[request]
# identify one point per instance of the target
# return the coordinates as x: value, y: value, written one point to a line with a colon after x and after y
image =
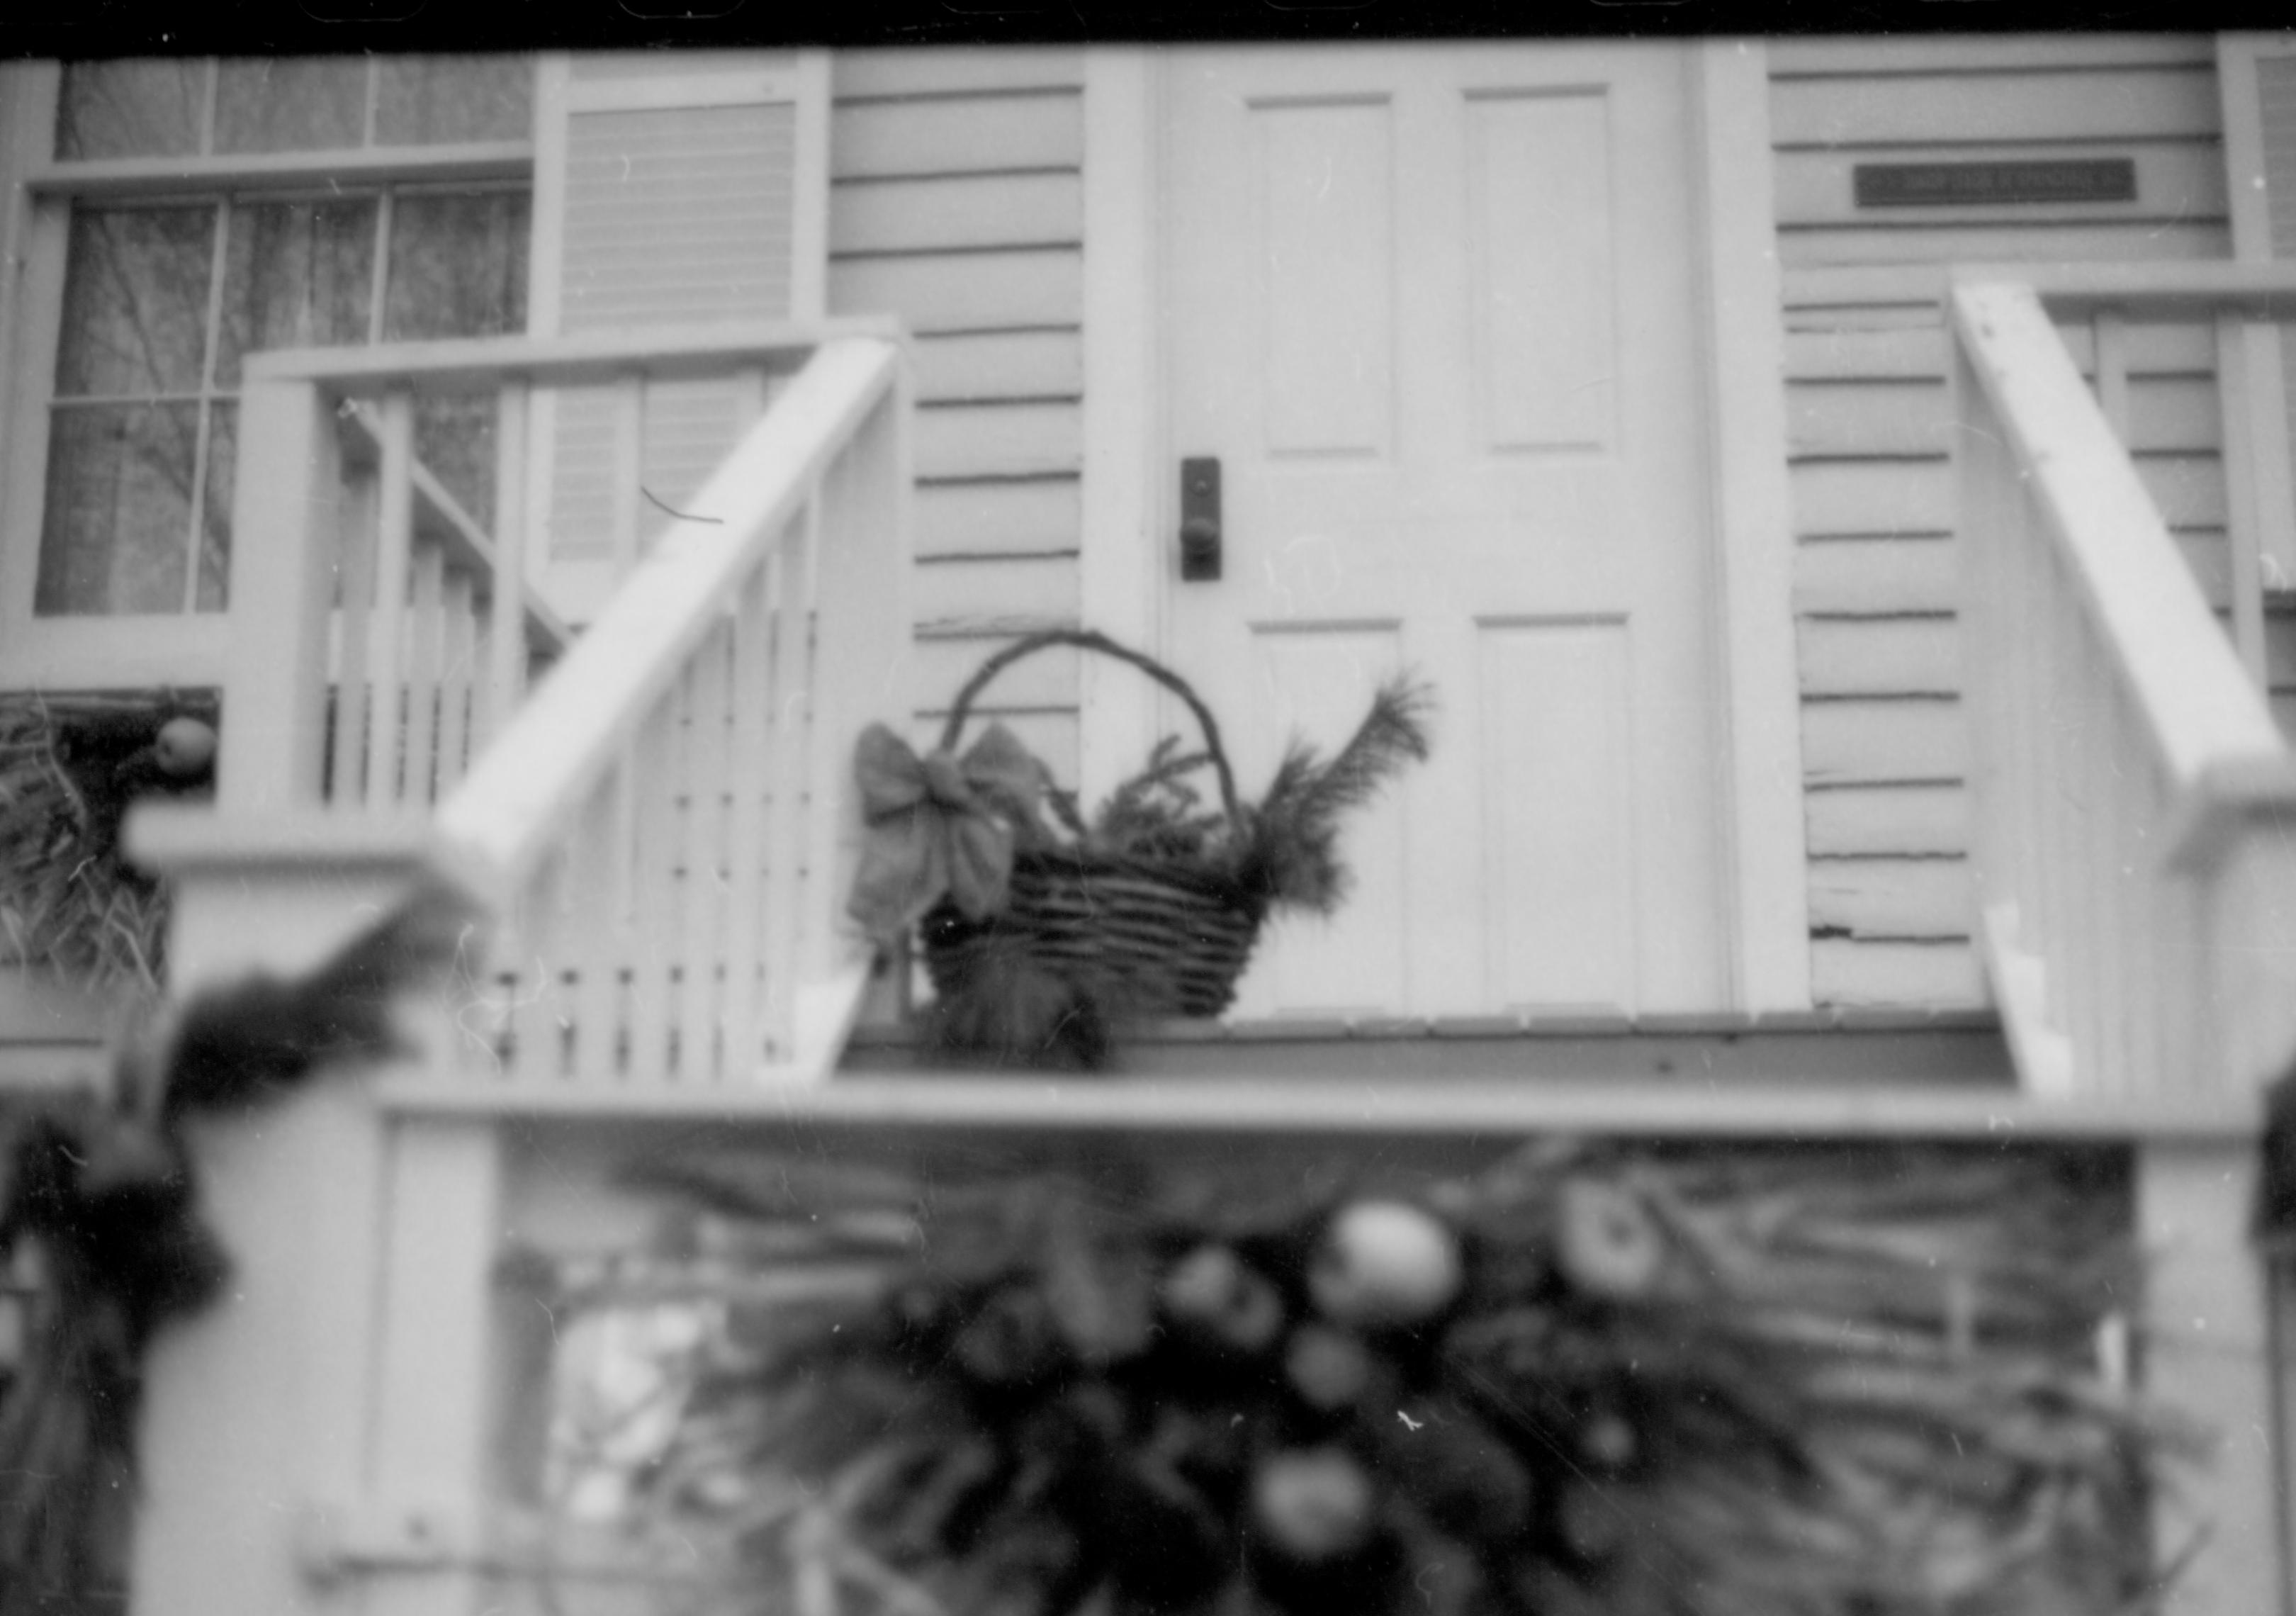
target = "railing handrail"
x: 659, y: 353
x: 2201, y: 714
x: 2141, y: 291
x: 521, y: 799
x: 2155, y: 289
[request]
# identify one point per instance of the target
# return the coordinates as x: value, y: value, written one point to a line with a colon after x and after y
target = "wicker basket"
x: 1144, y: 937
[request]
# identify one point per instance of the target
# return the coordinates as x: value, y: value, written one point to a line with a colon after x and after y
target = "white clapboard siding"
x: 998, y: 367
x: 1852, y: 821
x: 1893, y: 896
x: 2136, y: 100
x: 951, y: 211
x: 990, y: 518
x: 1879, y: 656
x: 956, y: 204
x: 1975, y: 53
x: 991, y: 131
x: 679, y: 201
x: 1045, y: 682
x: 1900, y: 418
x: 1024, y: 287
x: 955, y: 595
x: 1835, y: 498
x: 1920, y: 242
x: 1871, y: 428
x: 1819, y: 348
x: 1034, y: 438
x: 1875, y: 973
x: 1890, y: 575
x: 1879, y: 576
x: 1888, y: 741
x: 878, y: 75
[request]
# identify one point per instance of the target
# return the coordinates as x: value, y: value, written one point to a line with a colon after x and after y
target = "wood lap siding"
x: 1876, y: 579
x: 956, y: 203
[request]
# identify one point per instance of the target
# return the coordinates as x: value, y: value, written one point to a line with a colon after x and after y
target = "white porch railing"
x: 330, y: 1437
x: 2135, y: 802
x: 428, y: 605
x: 667, y: 820
x: 380, y: 634
x: 663, y: 827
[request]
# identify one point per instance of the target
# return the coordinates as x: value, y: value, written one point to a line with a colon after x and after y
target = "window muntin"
x: 165, y: 297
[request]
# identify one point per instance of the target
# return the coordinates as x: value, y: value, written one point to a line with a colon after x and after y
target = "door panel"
x: 1433, y: 310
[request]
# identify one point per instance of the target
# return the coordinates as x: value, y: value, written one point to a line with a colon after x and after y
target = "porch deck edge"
x: 1243, y: 1104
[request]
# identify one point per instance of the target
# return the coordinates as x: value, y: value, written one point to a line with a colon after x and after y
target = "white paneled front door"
x: 1434, y: 311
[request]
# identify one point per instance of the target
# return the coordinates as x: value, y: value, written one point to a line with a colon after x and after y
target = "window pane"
x: 437, y: 100
x: 135, y: 301
x: 292, y: 104
x: 130, y: 109
x: 119, y: 509
x: 457, y: 265
x: 215, y: 523
x: 455, y: 437
x: 297, y: 274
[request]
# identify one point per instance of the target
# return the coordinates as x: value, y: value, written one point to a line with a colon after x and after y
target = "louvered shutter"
x: 672, y: 188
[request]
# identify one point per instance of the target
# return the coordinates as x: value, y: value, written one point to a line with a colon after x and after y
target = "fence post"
x: 287, y: 487
x: 279, y: 1420
x: 862, y: 663
x: 2205, y: 1339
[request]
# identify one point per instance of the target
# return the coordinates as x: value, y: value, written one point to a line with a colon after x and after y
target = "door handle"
x: 1200, y: 520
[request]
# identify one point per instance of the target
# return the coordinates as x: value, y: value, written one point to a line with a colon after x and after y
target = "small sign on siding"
x: 2098, y: 179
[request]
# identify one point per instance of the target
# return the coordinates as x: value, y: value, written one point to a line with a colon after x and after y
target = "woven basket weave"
x: 1145, y: 937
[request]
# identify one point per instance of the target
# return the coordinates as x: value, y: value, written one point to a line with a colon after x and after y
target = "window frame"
x: 144, y: 649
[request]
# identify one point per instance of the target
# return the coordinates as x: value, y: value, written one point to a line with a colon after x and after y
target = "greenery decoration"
x: 1641, y: 1381
x: 100, y: 1205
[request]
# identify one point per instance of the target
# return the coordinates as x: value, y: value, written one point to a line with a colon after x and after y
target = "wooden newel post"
x: 2211, y: 1297
x: 284, y: 519
x: 323, y: 1429
x: 2238, y: 843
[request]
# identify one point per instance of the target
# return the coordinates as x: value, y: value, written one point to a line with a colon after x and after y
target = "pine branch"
x: 1294, y: 854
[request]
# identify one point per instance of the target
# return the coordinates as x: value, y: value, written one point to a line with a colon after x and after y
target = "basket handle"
x: 1088, y: 639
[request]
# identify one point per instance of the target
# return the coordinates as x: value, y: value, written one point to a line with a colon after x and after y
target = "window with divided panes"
x: 166, y: 293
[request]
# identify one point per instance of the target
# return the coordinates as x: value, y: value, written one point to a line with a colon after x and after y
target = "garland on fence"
x: 99, y: 1218
x: 1794, y: 1381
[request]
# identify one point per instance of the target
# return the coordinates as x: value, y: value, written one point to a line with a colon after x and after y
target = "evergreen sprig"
x: 1286, y: 849
x: 1291, y: 854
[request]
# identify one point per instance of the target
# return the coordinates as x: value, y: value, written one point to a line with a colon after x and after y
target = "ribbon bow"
x: 940, y: 825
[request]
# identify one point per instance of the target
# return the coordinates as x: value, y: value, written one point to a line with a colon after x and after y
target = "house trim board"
x: 2247, y: 199
x: 1766, y: 857
x: 28, y: 113
x: 2262, y: 377
x: 1119, y: 580
x: 1119, y: 586
x: 810, y: 203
